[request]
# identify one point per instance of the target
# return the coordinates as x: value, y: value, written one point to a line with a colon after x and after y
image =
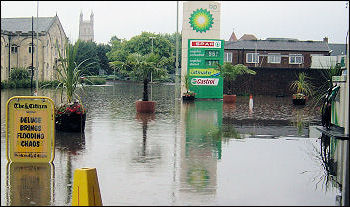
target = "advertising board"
x: 204, y: 78
x: 30, y: 129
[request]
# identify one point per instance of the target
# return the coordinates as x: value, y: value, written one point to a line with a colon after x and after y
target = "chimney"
x: 325, y: 39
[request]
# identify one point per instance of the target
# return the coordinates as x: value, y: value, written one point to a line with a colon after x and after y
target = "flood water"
x: 200, y: 153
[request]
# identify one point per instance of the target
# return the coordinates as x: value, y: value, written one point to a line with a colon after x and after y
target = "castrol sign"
x: 205, y: 81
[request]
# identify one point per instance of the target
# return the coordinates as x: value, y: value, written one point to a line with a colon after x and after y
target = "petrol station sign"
x: 205, y: 79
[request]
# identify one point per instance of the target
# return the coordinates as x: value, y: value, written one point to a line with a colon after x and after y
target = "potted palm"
x: 302, y: 87
x: 142, y: 67
x: 69, y: 115
x: 188, y: 95
x: 229, y: 73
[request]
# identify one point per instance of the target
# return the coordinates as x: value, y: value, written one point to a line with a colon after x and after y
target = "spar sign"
x: 205, y: 78
x: 205, y: 44
x: 30, y: 129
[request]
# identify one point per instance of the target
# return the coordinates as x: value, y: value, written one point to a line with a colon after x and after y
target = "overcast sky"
x: 303, y: 20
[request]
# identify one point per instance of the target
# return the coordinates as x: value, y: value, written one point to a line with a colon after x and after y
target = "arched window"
x: 14, y: 48
x: 31, y: 48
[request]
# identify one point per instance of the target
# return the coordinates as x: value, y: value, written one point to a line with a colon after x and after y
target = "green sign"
x: 205, y: 79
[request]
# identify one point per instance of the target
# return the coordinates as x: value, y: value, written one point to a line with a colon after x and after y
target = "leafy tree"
x: 102, y: 50
x: 141, y: 44
x: 172, y: 38
x: 87, y: 52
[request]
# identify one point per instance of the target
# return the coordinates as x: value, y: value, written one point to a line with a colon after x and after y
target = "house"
x: 274, y: 52
x: 277, y: 62
x: 248, y: 37
x: 17, y: 48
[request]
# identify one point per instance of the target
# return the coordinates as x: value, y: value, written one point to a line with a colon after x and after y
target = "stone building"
x: 16, y: 45
x: 86, y: 28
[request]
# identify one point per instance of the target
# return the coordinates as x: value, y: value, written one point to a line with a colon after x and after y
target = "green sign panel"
x: 205, y: 79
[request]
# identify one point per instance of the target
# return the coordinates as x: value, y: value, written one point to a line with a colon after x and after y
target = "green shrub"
x: 49, y: 84
x: 94, y: 81
x: 12, y: 84
x: 4, y: 84
x: 19, y: 74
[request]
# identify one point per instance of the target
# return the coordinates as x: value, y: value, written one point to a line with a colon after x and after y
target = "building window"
x: 14, y: 48
x: 252, y: 58
x: 227, y: 57
x: 31, y: 49
x: 274, y: 58
x: 296, y: 59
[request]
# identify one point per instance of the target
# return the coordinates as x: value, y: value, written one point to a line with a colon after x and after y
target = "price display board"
x: 204, y: 78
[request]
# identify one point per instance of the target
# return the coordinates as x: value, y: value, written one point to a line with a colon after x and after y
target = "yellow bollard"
x: 86, y: 191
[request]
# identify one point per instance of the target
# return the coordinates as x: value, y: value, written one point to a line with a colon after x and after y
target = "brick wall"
x: 273, y: 81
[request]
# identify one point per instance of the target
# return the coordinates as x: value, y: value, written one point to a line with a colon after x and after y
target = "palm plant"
x: 145, y: 65
x: 321, y: 92
x: 187, y: 86
x: 69, y: 71
x: 302, y: 86
x: 230, y: 72
x: 70, y: 116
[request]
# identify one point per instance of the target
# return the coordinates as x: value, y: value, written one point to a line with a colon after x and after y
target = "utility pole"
x: 9, y: 69
x: 31, y: 78
x: 37, y: 50
x: 177, y: 45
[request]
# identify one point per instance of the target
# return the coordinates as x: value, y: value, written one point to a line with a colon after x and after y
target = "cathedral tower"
x: 86, y: 28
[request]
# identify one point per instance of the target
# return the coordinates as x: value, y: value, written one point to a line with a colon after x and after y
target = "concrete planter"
x: 145, y: 106
x: 229, y: 98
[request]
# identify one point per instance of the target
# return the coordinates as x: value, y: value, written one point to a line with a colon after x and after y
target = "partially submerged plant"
x: 187, y: 86
x: 302, y: 86
x: 69, y: 71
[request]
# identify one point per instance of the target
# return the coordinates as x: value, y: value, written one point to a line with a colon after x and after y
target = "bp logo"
x: 201, y: 20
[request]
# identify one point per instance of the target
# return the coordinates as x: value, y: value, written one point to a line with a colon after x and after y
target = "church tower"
x: 86, y: 28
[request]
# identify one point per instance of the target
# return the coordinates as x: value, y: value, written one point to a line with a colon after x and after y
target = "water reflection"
x: 298, y: 120
x: 330, y: 153
x: 69, y: 144
x: 200, y: 148
x: 332, y: 157
x: 30, y: 184
x: 145, y: 155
